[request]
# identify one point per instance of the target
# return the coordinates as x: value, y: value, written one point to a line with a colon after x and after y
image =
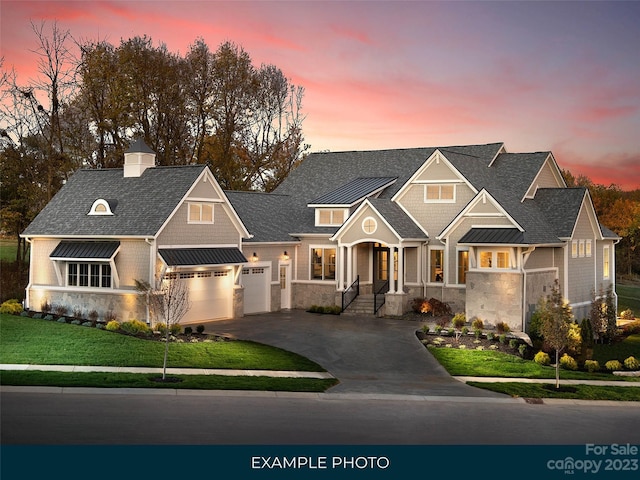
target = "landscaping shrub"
x: 613, y: 365
x: 591, y: 366
x: 60, y: 310
x: 459, y: 320
x: 465, y: 330
x: 502, y: 327
x: 113, y: 326
x: 188, y: 330
x: 627, y: 314
x: 45, y: 306
x: 438, y: 329
x: 175, y: 329
x: 420, y: 305
x: 425, y: 329
x: 25, y: 314
x: 631, y: 328
x: 522, y: 349
x: 92, y: 315
x: 99, y: 326
x: 73, y: 322
x: 37, y: 315
x: 568, y: 362
x: 90, y: 324
x: 478, y: 333
x: 60, y: 320
x: 132, y: 327
x: 451, y: 332
x: 513, y: 343
x: 50, y: 317
x: 491, y: 336
x: 631, y: 363
x: 542, y: 358
x: 502, y: 338
x: 477, y: 324
x: 12, y: 307
x: 200, y: 328
x: 110, y: 315
x: 77, y: 312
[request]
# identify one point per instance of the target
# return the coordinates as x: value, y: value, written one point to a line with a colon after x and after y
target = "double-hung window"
x: 436, y: 266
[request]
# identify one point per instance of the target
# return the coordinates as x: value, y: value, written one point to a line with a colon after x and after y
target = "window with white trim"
x: 323, y: 263
x: 436, y: 265
x: 495, y: 259
x: 100, y: 207
x: 97, y: 275
x: 606, y: 262
x: 463, y: 266
x: 329, y: 217
x: 581, y: 248
x: 574, y: 249
x: 200, y: 212
x: 588, y: 248
x: 369, y: 225
x: 442, y: 193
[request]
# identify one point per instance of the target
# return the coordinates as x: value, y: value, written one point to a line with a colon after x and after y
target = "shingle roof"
x: 177, y: 257
x: 143, y: 203
x: 353, y: 191
x: 85, y: 250
x: 268, y: 217
x: 397, y: 218
x: 508, y: 236
x: 560, y: 207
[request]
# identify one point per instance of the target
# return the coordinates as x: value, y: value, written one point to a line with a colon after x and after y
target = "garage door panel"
x: 210, y: 294
x: 257, y: 289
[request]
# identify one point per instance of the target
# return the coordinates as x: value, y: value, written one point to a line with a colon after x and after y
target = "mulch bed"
x: 468, y: 342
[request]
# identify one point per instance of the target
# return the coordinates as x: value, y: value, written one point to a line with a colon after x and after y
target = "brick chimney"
x: 138, y: 158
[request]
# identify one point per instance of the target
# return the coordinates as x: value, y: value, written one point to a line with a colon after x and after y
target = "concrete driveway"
x: 368, y: 355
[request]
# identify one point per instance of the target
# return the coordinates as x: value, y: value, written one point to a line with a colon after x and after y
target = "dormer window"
x: 330, y: 217
x: 100, y: 207
x: 200, y: 212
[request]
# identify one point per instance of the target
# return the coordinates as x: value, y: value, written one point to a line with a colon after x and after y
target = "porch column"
x: 400, y: 269
x: 349, y: 265
x: 391, y: 264
x: 340, y: 268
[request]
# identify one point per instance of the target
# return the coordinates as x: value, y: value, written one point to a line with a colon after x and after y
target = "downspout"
x: 424, y: 272
x: 27, y: 301
x: 525, y: 256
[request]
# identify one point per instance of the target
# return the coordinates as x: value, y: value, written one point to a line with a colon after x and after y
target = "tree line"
x: 618, y: 210
x: 203, y: 107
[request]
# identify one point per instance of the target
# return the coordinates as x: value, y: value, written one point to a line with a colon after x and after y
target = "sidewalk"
x: 282, y: 374
x: 170, y: 371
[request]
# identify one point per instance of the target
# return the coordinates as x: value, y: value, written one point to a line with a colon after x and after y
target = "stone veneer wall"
x: 495, y: 297
x: 307, y: 294
x: 126, y: 306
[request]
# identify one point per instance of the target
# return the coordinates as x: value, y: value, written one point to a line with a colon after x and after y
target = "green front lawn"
x: 628, y: 297
x: 583, y: 392
x: 33, y: 341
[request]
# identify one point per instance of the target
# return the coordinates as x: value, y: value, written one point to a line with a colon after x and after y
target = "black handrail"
x: 381, y: 291
x: 350, y: 294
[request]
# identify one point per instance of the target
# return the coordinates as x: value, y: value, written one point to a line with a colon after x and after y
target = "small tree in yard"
x: 556, y: 318
x: 168, y: 303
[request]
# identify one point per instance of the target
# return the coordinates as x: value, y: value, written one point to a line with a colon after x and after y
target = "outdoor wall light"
x: 286, y: 255
x: 254, y: 257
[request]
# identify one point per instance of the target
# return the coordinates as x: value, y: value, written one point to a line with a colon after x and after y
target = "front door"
x: 380, y: 266
x: 285, y: 285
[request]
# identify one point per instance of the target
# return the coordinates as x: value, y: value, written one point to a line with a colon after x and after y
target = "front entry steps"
x: 362, y: 305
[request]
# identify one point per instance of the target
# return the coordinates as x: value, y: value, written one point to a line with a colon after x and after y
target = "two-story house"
x: 475, y: 226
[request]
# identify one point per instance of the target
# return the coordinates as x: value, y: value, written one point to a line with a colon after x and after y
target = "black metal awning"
x: 85, y: 250
x: 503, y: 236
x: 183, y: 257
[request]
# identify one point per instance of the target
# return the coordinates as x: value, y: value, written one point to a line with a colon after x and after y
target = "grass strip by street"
x: 193, y: 382
x: 36, y: 341
x: 582, y: 392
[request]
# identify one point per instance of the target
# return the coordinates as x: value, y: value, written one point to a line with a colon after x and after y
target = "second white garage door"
x: 210, y: 293
x: 257, y: 289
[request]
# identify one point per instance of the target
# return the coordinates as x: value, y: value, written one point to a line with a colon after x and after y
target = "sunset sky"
x: 538, y: 76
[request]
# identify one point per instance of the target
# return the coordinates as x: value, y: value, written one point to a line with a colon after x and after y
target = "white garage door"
x: 257, y: 291
x: 210, y: 293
